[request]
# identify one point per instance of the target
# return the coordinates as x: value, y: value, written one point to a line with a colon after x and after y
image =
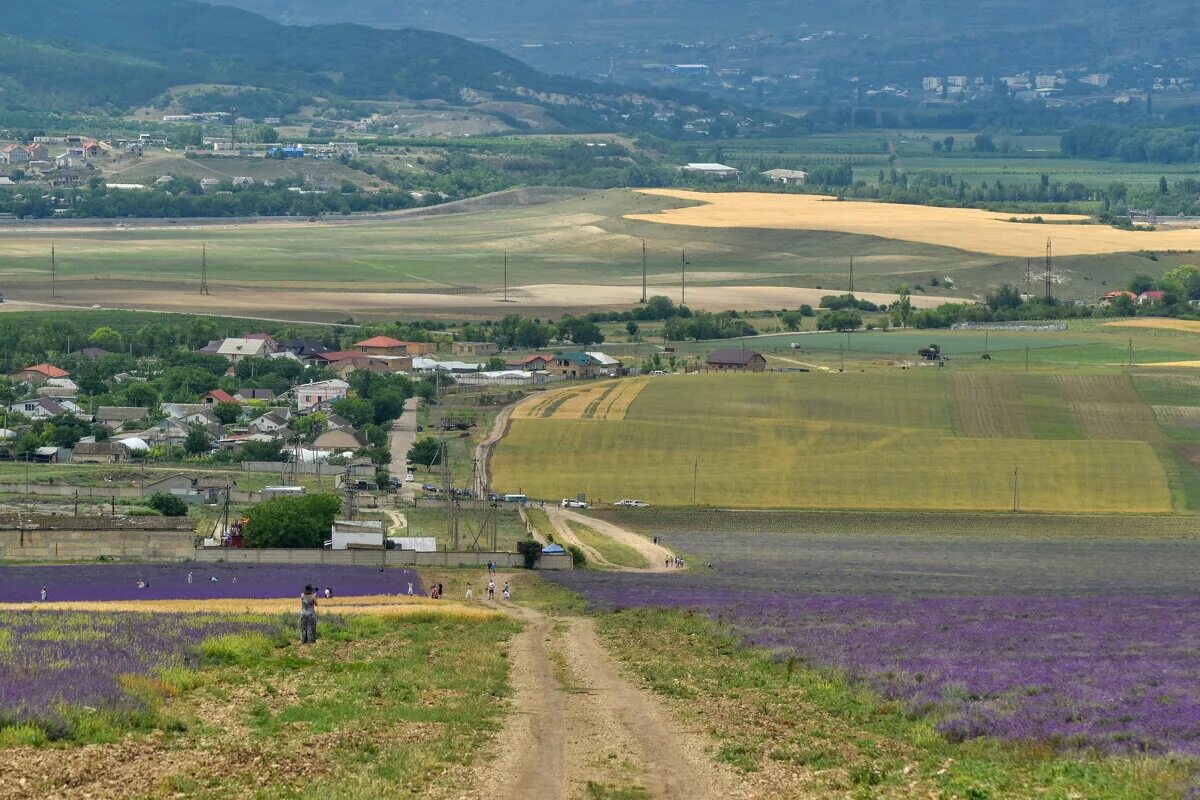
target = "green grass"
x: 614, y: 552
x: 432, y: 522
x: 774, y: 717
x: 879, y: 439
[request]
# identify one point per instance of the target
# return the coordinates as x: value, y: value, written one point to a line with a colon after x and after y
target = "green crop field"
x: 876, y: 439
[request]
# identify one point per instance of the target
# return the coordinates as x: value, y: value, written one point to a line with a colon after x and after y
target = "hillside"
x: 132, y: 51
x: 891, y: 37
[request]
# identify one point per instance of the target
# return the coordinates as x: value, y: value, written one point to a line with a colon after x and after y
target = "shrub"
x: 168, y: 505
x: 578, y: 559
x: 531, y: 550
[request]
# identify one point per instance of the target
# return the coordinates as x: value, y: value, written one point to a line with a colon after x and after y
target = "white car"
x: 566, y: 503
x: 630, y: 504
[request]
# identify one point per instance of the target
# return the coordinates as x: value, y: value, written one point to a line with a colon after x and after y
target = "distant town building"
x: 712, y: 170
x: 790, y: 177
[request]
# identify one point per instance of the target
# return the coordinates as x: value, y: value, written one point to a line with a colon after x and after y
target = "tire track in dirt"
x: 598, y: 728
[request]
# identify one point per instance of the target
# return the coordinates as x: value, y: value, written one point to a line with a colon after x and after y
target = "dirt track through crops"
x: 579, y: 723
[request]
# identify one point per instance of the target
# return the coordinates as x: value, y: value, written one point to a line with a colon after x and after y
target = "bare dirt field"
x: 967, y: 229
x: 325, y: 304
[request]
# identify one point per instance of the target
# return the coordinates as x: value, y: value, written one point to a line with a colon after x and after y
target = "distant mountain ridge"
x: 130, y: 51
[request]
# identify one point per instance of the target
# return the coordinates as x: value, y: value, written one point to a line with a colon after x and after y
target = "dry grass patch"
x: 373, y: 605
x: 1162, y: 324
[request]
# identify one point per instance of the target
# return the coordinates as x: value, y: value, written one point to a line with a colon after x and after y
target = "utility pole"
x: 1049, y: 268
x: 644, y: 298
x: 695, y: 480
x: 1131, y: 351
x: 1027, y: 358
x: 204, y: 269
x: 505, y: 276
x: 985, y: 343
x: 53, y: 272
x: 1016, y: 490
x: 852, y: 274
x: 683, y: 278
x: 842, y: 358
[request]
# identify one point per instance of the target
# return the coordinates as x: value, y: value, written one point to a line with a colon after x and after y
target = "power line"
x: 851, y: 273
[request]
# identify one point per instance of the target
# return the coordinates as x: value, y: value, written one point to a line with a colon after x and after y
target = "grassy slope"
x: 876, y: 439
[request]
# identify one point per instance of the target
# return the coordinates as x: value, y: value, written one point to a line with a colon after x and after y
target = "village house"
x: 58, y: 387
x: 574, y: 365
x: 607, y: 364
x: 93, y: 353
x: 202, y: 489
x: 14, y: 155
x: 736, y: 359
x: 532, y: 363
x: 39, y: 373
x: 218, y: 396
x: 274, y: 420
x: 236, y: 349
x: 116, y: 416
x: 1152, y: 296
x: 383, y: 346
x: 338, y: 441
x: 475, y: 348
x: 264, y: 395
x: 305, y: 348
x: 310, y: 395
x: 100, y: 453
x: 37, y: 152
x: 44, y: 407
x: 270, y: 346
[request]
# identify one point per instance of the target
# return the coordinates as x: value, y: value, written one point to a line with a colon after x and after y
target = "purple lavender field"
x: 58, y: 665
x: 1077, y: 671
x: 169, y: 581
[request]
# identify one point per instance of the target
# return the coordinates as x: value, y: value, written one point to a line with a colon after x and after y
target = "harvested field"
x: 608, y: 400
x: 989, y: 405
x: 972, y: 230
x: 1178, y: 416
x: 1108, y: 407
x: 1185, y: 325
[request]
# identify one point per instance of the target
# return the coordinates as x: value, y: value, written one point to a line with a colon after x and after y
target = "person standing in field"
x: 410, y: 588
x: 491, y: 590
x: 507, y: 592
x: 189, y: 577
x: 470, y: 593
x: 44, y: 594
x: 308, y: 616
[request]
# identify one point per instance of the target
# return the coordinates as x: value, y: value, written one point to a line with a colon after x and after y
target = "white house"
x: 236, y: 349
x: 309, y: 395
x: 44, y: 407
x: 788, y: 177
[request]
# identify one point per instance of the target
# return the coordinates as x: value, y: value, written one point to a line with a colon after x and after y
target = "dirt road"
x: 584, y: 723
x: 483, y: 450
x: 401, y: 438
x: 655, y: 554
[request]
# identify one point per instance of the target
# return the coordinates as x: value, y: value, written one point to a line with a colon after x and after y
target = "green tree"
x: 264, y: 134
x: 1141, y: 283
x: 357, y: 410
x: 168, y: 505
x: 227, y: 413
x: 632, y: 328
x: 197, y: 441
x: 843, y: 320
x: 791, y: 320
x: 292, y: 521
x: 106, y: 338
x: 426, y: 451
x: 140, y: 394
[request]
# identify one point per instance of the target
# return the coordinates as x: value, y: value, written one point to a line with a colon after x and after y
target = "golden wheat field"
x: 969, y: 229
x: 383, y: 605
x: 1158, y: 323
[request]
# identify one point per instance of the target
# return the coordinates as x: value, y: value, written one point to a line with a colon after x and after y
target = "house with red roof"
x: 533, y: 363
x: 1152, y: 296
x: 13, y: 155
x: 218, y: 396
x: 1108, y: 297
x: 387, y: 346
x: 39, y: 373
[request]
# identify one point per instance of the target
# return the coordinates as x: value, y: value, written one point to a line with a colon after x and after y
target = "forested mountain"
x: 116, y: 54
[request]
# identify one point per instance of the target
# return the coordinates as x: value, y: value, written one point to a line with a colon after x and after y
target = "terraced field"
x: 878, y: 439
x: 608, y: 400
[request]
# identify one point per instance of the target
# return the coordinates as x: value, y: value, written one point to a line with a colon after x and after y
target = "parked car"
x: 631, y: 504
x: 429, y: 487
x: 567, y: 503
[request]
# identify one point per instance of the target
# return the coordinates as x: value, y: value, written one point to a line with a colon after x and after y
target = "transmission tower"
x: 481, y: 524
x: 204, y: 269
x: 643, y: 270
x: 1049, y: 270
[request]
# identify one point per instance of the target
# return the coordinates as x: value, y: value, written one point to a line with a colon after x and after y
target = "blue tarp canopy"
x: 553, y: 548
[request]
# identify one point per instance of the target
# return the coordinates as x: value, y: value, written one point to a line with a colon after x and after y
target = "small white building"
x: 788, y: 177
x: 347, y: 534
x: 711, y: 169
